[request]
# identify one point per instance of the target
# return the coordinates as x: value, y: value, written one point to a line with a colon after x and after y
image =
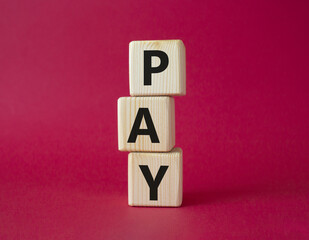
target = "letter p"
x: 148, y: 69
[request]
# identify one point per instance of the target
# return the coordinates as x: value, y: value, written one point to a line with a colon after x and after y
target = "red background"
x: 243, y: 125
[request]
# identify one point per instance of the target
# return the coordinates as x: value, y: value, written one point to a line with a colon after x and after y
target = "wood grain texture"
x: 172, y: 81
x: 162, y: 111
x: 170, y: 188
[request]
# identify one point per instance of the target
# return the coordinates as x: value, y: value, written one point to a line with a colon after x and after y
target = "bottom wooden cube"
x: 155, y: 179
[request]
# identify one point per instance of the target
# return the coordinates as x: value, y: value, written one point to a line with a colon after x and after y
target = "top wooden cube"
x: 157, y: 68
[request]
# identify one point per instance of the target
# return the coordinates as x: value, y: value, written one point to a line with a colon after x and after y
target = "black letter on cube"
x: 153, y: 184
x: 151, y: 131
x: 148, y: 70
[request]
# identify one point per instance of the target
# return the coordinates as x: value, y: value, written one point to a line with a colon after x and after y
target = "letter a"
x: 151, y: 131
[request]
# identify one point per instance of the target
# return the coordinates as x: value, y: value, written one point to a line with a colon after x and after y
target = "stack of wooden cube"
x: 146, y: 122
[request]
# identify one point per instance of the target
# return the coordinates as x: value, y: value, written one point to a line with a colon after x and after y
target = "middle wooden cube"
x: 146, y: 124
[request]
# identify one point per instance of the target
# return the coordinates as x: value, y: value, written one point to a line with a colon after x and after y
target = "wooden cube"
x: 157, y: 68
x: 155, y: 179
x: 146, y: 124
